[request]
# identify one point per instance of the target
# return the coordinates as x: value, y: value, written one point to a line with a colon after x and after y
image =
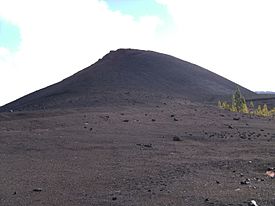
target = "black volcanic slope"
x: 130, y: 76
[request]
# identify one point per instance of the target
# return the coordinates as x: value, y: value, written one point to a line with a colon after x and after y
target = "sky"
x: 45, y: 41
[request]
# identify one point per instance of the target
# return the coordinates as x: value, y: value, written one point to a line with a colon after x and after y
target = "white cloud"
x: 4, y: 54
x: 233, y: 38
x: 61, y: 37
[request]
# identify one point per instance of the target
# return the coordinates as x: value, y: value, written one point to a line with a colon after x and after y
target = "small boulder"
x: 147, y: 145
x: 37, y: 190
x: 176, y: 139
x: 245, y: 182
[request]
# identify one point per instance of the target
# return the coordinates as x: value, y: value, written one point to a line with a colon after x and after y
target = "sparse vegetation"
x: 238, y: 102
x: 239, y: 105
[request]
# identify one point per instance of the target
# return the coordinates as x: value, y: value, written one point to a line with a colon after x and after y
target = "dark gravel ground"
x: 188, y: 155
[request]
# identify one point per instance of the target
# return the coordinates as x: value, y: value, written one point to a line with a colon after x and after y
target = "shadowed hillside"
x: 129, y: 76
x: 261, y: 99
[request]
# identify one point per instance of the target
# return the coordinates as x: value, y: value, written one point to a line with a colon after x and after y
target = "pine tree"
x: 259, y: 110
x: 251, y: 105
x: 244, y: 106
x: 239, y: 105
x: 226, y: 106
x: 234, y: 104
x: 265, y: 110
x: 220, y: 104
x: 272, y: 111
x: 245, y: 109
x: 238, y: 102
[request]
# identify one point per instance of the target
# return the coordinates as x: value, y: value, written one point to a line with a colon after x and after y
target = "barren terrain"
x: 131, y: 76
x: 171, y: 153
x: 127, y: 131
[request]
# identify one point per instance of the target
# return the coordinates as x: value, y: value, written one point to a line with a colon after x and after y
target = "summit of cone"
x: 130, y: 76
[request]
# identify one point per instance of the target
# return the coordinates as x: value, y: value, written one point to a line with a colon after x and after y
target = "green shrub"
x: 239, y: 105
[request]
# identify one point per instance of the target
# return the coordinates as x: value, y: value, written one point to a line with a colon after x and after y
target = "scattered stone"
x: 175, y: 119
x: 218, y: 182
x: 172, y: 115
x: 126, y: 120
x: 147, y: 145
x: 258, y: 179
x: 91, y: 129
x: 236, y: 118
x: 270, y: 172
x: 206, y: 200
x: 114, y: 198
x: 105, y: 117
x: 37, y: 190
x: 253, y: 203
x: 230, y: 127
x: 242, y: 137
x: 176, y: 139
x: 14, y: 193
x: 153, y: 120
x: 245, y: 182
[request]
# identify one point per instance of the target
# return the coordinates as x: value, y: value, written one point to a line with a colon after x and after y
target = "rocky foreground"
x: 172, y: 153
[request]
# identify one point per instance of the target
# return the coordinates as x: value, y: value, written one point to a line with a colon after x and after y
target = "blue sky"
x: 138, y: 8
x: 9, y: 35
